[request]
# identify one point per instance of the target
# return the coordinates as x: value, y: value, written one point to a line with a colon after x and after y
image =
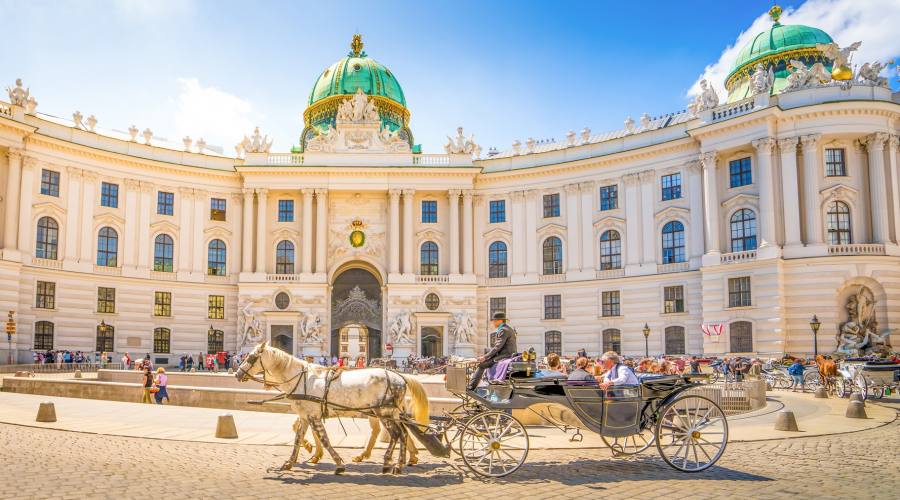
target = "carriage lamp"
x: 815, y: 324
x: 646, y: 331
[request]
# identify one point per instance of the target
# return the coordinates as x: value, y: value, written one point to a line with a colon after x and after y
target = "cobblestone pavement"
x: 59, y: 464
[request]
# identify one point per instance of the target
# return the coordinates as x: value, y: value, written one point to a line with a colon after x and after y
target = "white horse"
x: 376, y: 390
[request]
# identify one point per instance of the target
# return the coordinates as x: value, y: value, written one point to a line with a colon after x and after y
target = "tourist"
x: 190, y: 362
x: 126, y: 361
x: 695, y: 365
x: 616, y: 372
x: 796, y: 372
x: 679, y: 365
x: 146, y: 385
x: 554, y: 367
x: 582, y: 353
x: 580, y: 373
x: 59, y: 360
x: 162, y: 380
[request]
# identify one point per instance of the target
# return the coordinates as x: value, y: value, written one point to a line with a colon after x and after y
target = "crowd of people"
x: 65, y: 358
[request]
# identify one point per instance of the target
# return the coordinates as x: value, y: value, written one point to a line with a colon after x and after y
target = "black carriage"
x: 689, y: 431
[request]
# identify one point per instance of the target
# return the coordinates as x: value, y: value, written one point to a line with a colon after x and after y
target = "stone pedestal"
x: 402, y: 352
x: 464, y: 350
x: 315, y: 349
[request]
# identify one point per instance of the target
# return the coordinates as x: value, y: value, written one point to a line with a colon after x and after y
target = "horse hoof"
x: 287, y: 466
x: 386, y: 469
x: 314, y: 460
x: 339, y: 471
x: 413, y: 461
x: 357, y: 459
x: 395, y: 470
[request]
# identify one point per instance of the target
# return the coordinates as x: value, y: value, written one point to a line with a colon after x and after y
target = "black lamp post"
x: 815, y: 324
x: 646, y: 331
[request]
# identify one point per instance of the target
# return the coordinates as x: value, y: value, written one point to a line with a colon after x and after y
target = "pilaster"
x: 768, y: 246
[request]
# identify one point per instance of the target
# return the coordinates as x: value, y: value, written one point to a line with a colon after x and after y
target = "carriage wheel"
x: 878, y: 392
x: 812, y: 380
x: 691, y: 434
x: 841, y: 388
x: 630, y: 445
x: 493, y: 444
x: 862, y: 386
x: 782, y: 383
x: 459, y: 415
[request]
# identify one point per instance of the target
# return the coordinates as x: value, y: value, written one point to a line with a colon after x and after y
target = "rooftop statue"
x: 761, y: 81
x: 324, y: 141
x: 18, y: 95
x: 358, y: 108
x: 461, y: 145
x: 706, y: 99
x: 840, y: 58
x: 859, y: 335
x: 869, y: 72
x: 802, y: 76
x: 257, y: 143
x: 78, y: 119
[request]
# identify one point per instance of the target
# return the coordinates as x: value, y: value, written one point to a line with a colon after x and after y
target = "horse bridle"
x: 252, y: 359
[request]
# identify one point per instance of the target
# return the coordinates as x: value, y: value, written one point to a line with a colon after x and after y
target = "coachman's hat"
x: 500, y: 316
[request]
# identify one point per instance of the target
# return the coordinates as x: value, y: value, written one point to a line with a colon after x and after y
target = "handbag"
x: 154, y: 389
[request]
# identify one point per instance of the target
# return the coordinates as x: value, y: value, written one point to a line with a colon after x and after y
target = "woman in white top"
x: 162, y: 380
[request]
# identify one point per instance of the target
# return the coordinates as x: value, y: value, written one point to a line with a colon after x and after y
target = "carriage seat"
x: 522, y: 369
x: 646, y: 377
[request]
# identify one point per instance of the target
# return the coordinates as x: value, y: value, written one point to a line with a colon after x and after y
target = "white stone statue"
x: 585, y: 135
x: 570, y: 138
x: 18, y: 95
x: 517, y: 147
x: 645, y: 120
x: 839, y: 56
x: 859, y: 335
x: 187, y: 142
x: 869, y: 72
x: 77, y: 117
x: 91, y: 123
x: 31, y: 105
x: 249, y: 328
x: 311, y: 328
x: 761, y: 81
x: 147, y: 134
x: 324, y: 141
x: 400, y: 328
x: 256, y: 143
x: 629, y: 124
x: 706, y: 99
x: 357, y: 109
x: 201, y: 145
x: 133, y: 132
x: 463, y: 327
x: 460, y: 145
x: 803, y: 77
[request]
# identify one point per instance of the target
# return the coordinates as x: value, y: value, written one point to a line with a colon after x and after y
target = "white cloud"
x: 874, y: 22
x: 217, y: 116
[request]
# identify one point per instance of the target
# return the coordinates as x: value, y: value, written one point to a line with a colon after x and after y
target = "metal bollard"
x: 225, y: 428
x: 77, y: 373
x: 821, y: 393
x: 46, y: 412
x: 786, y: 421
x: 856, y: 409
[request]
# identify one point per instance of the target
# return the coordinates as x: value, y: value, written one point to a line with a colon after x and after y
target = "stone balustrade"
x: 734, y: 109
x: 551, y: 278
x: 108, y: 270
x: 282, y: 277
x: 432, y: 278
x: 857, y: 249
x: 734, y: 257
x: 605, y: 274
x: 47, y: 263
x: 675, y: 267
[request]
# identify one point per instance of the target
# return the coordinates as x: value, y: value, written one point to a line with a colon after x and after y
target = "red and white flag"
x: 713, y: 329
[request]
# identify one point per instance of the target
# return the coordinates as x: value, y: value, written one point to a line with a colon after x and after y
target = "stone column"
x: 878, y: 187
x: 695, y: 192
x: 11, y: 217
x: 531, y: 251
x: 73, y: 213
x: 394, y: 231
x: 812, y: 170
x: 453, y: 237
x: 27, y: 229
x: 306, y: 236
x: 132, y: 221
x: 573, y: 242
x: 235, y: 255
x: 648, y: 200
x: 321, y: 230
x: 147, y: 189
x: 88, y: 202
x: 518, y: 233
x: 768, y: 245
x: 480, y: 219
x: 467, y: 233
x: 633, y: 231
x: 893, y: 142
x: 247, y: 232
x: 708, y: 162
x: 789, y: 191
x: 262, y: 248
x: 201, y: 215
x: 185, y: 229
x: 408, y: 195
x: 586, y: 221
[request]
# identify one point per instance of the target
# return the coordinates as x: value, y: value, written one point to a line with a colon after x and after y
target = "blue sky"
x: 503, y: 70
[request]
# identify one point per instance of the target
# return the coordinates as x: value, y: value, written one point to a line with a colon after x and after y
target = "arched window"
x: 675, y: 340
x: 107, y: 247
x: 673, y: 242
x: 43, y: 336
x: 162, y: 340
x: 553, y: 256
x: 47, y: 238
x: 741, y: 336
x: 497, y: 260
x: 215, y: 258
x: 215, y: 341
x: 610, y: 250
x: 284, y: 257
x: 612, y: 340
x: 743, y: 230
x: 428, y: 258
x: 105, y: 336
x: 552, y: 342
x: 163, y: 252
x: 838, y: 224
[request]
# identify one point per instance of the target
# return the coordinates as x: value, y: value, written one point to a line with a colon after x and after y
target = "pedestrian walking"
x: 146, y: 385
x: 162, y: 381
x: 796, y: 372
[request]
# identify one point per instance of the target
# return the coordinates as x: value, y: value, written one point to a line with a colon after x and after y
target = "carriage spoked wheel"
x: 630, y: 445
x: 692, y: 433
x: 841, y: 388
x: 493, y: 444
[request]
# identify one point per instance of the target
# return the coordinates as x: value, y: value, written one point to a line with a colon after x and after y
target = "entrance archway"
x: 283, y: 338
x: 432, y: 342
x: 356, y: 314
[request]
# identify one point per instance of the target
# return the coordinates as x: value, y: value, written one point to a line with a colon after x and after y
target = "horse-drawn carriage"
x: 864, y: 375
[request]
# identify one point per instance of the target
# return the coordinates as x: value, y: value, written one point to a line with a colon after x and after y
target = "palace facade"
x: 723, y: 228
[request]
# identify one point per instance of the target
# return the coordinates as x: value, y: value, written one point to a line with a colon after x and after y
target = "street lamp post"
x: 646, y: 332
x: 815, y: 324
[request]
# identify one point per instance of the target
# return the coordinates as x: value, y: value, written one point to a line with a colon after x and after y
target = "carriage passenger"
x: 580, y: 373
x: 616, y: 372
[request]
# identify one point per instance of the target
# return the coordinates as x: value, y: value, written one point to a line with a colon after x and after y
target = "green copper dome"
x: 357, y: 71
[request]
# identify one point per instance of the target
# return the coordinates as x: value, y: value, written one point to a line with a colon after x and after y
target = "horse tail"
x: 418, y: 399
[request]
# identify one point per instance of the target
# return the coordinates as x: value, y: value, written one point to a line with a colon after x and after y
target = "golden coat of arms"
x: 357, y: 236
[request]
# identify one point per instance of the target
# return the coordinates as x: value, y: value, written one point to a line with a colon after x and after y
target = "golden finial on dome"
x: 775, y: 13
x: 356, y: 46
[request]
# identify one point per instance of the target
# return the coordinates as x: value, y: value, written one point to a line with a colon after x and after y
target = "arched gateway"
x: 356, y: 314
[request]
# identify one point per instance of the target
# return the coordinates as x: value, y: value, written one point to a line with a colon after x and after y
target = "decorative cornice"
x: 741, y: 198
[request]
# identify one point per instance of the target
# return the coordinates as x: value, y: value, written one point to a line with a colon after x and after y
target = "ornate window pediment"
x: 838, y: 192
x: 49, y: 208
x: 672, y: 212
x: 609, y: 221
x: 552, y: 228
x: 742, y: 199
x: 109, y: 219
x: 497, y: 232
x: 429, y: 234
x: 279, y: 234
x: 164, y: 226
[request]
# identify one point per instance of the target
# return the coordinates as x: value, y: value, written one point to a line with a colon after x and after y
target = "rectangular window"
x: 609, y: 197
x: 45, y: 295
x: 671, y: 187
x: 498, y: 304
x: 673, y: 299
x: 552, y: 306
x: 429, y: 211
x: 740, y: 172
x: 162, y: 303
x: 835, y: 166
x: 739, y: 292
x: 109, y: 195
x: 551, y: 205
x: 165, y: 203
x: 106, y: 300
x: 217, y: 209
x: 498, y: 211
x: 285, y: 210
x: 610, y: 303
x: 216, y: 307
x: 49, y: 182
